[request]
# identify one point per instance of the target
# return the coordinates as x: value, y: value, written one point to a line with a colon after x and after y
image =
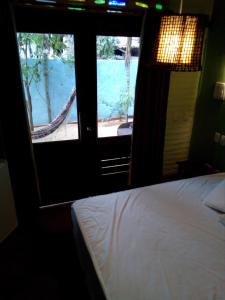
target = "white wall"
x: 8, y: 221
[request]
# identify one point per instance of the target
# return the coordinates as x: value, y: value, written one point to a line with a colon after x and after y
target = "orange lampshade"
x: 178, y: 46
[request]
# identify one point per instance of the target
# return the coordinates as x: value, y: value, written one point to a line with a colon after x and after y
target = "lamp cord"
x: 181, y: 7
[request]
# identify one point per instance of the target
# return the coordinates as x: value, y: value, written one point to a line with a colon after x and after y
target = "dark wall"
x: 14, y: 123
x: 2, y: 152
x: 210, y: 113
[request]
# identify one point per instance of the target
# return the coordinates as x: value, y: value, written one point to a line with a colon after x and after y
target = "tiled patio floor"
x: 70, y: 131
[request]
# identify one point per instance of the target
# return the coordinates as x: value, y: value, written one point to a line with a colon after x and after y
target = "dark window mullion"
x: 86, y: 82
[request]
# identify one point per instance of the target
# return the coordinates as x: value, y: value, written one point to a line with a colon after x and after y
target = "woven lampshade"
x: 178, y: 46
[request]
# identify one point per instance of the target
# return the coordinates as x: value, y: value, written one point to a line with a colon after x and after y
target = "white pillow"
x: 216, y: 198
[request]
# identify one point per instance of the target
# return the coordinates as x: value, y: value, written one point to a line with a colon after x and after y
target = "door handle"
x: 89, y: 128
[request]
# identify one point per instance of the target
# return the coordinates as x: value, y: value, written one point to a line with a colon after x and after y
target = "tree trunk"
x: 127, y: 66
x: 29, y: 106
x: 27, y: 86
x: 46, y: 77
x: 46, y: 85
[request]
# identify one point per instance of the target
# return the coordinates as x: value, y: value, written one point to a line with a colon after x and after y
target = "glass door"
x: 117, y: 62
x: 79, y: 83
x: 56, y: 113
x: 48, y: 75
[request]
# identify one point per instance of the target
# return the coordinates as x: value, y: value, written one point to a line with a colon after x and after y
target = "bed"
x: 154, y: 242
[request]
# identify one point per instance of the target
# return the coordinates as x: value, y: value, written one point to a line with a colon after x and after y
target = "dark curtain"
x: 15, y: 129
x: 149, y: 112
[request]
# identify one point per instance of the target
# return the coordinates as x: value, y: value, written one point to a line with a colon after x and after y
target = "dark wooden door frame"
x: 85, y: 27
x: 17, y: 144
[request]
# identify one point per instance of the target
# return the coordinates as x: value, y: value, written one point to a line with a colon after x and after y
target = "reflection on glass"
x: 47, y: 65
x: 117, y: 61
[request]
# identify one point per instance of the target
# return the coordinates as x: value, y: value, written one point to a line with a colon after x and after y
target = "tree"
x: 127, y: 67
x: 30, y: 72
x: 106, y: 46
x: 35, y: 50
x: 125, y: 101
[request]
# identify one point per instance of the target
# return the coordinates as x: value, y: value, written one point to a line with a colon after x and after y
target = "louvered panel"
x: 171, y: 168
x: 179, y: 139
x: 185, y: 97
x: 176, y: 149
x: 114, y: 163
x: 177, y: 155
x: 174, y: 154
x: 175, y: 137
x: 179, y: 131
x: 179, y: 107
x: 180, y: 116
x: 115, y: 166
x: 105, y: 163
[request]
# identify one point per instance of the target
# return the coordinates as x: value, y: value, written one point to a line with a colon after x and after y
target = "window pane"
x: 117, y: 61
x: 47, y: 64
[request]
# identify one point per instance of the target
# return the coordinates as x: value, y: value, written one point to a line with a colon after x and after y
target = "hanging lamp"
x: 178, y: 46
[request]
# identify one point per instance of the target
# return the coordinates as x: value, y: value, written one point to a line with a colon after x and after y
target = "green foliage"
x: 57, y: 44
x: 25, y: 41
x: 35, y: 50
x: 121, y: 107
x: 38, y: 47
x: 106, y: 46
x: 105, y: 49
x: 125, y: 103
x: 31, y: 72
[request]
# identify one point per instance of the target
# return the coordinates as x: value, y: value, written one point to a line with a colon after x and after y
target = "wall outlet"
x: 222, y: 140
x: 217, y: 137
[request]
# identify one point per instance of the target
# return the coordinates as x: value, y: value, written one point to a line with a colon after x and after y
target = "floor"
x: 70, y: 131
x: 41, y: 264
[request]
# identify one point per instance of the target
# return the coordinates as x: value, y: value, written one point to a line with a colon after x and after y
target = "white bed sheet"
x: 156, y: 242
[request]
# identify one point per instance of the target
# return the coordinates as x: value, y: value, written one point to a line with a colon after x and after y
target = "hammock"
x: 57, y: 121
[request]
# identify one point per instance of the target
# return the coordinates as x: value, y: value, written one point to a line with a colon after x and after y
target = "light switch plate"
x: 219, y: 91
x: 222, y: 140
x: 217, y: 137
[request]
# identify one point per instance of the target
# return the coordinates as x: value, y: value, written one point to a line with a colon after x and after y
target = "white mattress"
x: 156, y: 242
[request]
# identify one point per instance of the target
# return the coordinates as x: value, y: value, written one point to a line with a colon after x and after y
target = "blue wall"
x: 62, y: 80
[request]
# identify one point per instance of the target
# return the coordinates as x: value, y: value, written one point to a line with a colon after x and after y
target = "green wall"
x: 210, y: 114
